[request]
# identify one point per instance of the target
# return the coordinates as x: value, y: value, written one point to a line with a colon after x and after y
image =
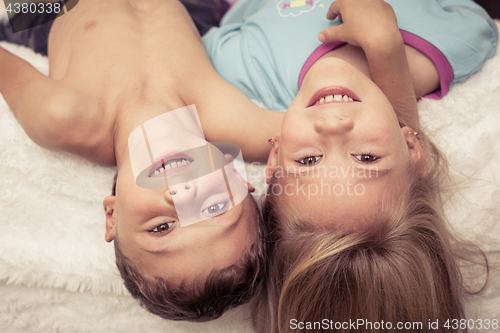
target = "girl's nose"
x: 333, y: 124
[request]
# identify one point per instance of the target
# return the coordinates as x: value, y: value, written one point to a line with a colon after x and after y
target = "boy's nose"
x: 333, y: 124
x: 181, y: 193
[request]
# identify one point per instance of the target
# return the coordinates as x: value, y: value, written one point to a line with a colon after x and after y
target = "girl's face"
x: 341, y: 147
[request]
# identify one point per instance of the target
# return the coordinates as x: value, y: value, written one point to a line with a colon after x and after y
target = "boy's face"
x: 147, y: 225
x: 338, y: 156
x: 181, y: 208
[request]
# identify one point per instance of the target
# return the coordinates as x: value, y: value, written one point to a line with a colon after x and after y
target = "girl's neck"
x: 401, y: 94
x: 353, y: 55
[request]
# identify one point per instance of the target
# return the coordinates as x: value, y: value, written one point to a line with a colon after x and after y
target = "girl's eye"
x: 215, y: 209
x: 309, y: 160
x: 161, y: 228
x: 366, y: 158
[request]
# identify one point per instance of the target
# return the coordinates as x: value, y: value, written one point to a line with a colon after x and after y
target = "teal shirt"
x: 261, y: 46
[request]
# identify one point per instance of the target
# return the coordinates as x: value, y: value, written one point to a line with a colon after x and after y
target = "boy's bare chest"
x: 117, y: 55
x: 110, y: 40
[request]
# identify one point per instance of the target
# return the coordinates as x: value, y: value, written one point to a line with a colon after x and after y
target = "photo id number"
x: 40, y: 8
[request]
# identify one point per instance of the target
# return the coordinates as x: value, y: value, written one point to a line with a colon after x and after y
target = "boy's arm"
x: 372, y: 25
x: 233, y: 117
x: 43, y: 107
x: 228, y: 115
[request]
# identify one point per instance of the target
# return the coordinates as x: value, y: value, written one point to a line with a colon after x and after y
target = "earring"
x: 173, y: 192
x: 416, y: 133
x: 271, y: 141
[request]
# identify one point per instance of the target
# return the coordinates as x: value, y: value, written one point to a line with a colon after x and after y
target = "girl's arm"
x: 372, y: 25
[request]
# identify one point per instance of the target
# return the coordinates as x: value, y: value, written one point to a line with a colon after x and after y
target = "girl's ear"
x: 272, y: 161
x: 415, y: 149
x: 109, y: 210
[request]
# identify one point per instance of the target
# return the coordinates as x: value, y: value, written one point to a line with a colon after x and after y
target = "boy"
x: 113, y: 66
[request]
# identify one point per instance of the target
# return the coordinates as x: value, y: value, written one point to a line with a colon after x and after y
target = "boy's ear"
x: 109, y: 210
x: 415, y: 149
x: 272, y: 161
x: 249, y: 186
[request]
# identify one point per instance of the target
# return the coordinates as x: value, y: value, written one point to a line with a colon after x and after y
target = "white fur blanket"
x: 57, y: 274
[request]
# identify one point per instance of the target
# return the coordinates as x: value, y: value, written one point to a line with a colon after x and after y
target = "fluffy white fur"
x: 57, y: 274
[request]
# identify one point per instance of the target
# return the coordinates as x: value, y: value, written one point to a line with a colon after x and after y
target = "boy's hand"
x: 366, y: 23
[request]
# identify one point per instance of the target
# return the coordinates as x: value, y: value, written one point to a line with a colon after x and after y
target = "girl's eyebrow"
x: 378, y: 172
x: 304, y: 173
x: 367, y: 172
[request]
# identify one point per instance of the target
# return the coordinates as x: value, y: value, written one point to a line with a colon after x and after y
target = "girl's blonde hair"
x: 400, y: 270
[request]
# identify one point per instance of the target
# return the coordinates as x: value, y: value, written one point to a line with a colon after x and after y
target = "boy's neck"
x: 132, y: 115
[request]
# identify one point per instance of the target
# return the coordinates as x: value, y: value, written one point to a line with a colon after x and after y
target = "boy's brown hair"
x: 205, y: 300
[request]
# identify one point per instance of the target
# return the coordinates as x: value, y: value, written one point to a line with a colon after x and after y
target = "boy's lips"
x: 169, y: 164
x: 330, y: 95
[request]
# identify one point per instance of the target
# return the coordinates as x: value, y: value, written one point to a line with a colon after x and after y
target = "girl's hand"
x: 366, y: 23
x: 372, y: 25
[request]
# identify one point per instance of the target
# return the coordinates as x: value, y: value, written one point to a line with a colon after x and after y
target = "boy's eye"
x: 309, y: 160
x: 214, y: 209
x: 162, y: 227
x: 366, y: 158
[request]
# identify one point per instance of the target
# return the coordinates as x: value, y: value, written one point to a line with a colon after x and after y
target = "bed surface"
x: 57, y: 274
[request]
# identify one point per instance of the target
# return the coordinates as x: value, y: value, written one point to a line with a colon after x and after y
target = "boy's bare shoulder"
x: 74, y: 124
x: 84, y: 129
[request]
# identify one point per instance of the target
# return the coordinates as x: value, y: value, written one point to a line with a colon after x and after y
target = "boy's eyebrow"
x: 160, y: 249
x: 223, y: 216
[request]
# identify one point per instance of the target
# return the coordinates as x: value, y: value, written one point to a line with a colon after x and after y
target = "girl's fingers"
x: 331, y: 34
x: 333, y: 11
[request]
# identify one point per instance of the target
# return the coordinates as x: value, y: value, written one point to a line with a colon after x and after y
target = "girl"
x: 353, y: 205
x: 110, y: 73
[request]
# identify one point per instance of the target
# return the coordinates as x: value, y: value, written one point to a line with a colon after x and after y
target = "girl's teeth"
x: 187, y: 162
x: 183, y: 162
x: 173, y: 165
x: 157, y: 172
x: 161, y: 170
x: 179, y: 163
x: 336, y: 98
